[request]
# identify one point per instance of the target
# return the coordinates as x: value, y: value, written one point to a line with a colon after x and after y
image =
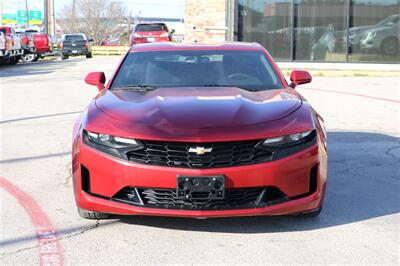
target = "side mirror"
x: 299, y: 77
x: 90, y: 40
x: 172, y: 31
x: 97, y: 79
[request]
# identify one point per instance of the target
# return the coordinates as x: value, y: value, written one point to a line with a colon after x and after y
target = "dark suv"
x: 76, y: 44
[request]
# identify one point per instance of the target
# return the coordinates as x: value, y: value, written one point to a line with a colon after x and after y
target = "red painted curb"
x: 355, y: 94
x: 50, y: 249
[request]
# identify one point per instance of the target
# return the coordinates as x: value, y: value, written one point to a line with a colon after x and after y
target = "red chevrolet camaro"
x: 199, y: 131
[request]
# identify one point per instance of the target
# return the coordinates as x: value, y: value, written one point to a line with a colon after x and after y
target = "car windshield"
x: 245, y: 69
x: 74, y: 38
x: 389, y: 21
x: 151, y: 27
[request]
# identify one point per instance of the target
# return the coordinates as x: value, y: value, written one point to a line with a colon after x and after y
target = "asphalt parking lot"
x: 359, y: 223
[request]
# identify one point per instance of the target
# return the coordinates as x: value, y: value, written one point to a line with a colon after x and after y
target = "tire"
x: 64, y: 57
x: 36, y: 58
x: 89, y: 55
x: 27, y: 58
x: 390, y: 46
x: 311, y: 214
x: 11, y: 61
x: 16, y: 60
x: 92, y: 215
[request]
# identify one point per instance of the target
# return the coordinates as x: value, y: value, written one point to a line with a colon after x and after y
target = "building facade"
x: 302, y: 30
x: 205, y: 21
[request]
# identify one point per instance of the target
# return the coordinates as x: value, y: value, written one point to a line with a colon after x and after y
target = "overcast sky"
x: 147, y: 8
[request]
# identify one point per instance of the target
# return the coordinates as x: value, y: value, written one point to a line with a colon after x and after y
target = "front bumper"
x: 108, y: 175
x: 11, y: 53
x: 371, y: 45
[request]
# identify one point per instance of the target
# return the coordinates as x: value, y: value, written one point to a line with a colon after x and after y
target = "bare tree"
x: 96, y: 18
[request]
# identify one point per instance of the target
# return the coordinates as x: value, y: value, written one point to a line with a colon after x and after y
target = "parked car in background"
x: 27, y: 42
x: 13, y: 48
x: 384, y: 40
x: 111, y: 41
x: 36, y: 44
x: 2, y: 45
x: 42, y: 45
x: 356, y: 33
x: 55, y: 43
x: 76, y: 44
x: 150, y: 32
x: 7, y: 50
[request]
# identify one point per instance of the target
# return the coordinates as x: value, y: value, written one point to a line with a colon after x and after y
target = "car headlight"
x: 370, y: 35
x: 287, y: 145
x: 287, y: 140
x: 113, y: 145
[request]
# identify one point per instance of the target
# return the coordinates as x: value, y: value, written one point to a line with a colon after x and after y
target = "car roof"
x: 171, y: 46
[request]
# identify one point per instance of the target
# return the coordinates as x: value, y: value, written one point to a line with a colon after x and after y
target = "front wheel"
x: 89, y: 55
x: 390, y: 46
x: 92, y: 215
x: 29, y: 58
x: 64, y: 57
x: 15, y: 60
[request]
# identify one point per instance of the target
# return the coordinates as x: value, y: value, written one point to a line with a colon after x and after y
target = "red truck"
x: 27, y: 42
x: 12, y: 52
x: 2, y: 45
x: 38, y: 45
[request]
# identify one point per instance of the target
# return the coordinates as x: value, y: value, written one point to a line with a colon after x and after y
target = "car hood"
x: 360, y: 29
x: 198, y: 108
x: 378, y: 29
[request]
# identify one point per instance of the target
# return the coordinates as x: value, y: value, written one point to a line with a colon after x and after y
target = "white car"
x: 384, y: 40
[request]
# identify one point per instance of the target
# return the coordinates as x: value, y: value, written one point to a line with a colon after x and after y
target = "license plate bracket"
x: 200, y: 187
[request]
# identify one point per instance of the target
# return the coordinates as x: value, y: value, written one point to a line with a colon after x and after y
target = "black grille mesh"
x: 235, y: 198
x: 223, y: 154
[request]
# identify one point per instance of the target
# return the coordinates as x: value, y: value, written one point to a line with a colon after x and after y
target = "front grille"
x: 223, y: 154
x: 240, y: 198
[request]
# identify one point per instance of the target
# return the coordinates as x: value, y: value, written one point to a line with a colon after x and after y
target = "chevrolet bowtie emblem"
x: 200, y: 150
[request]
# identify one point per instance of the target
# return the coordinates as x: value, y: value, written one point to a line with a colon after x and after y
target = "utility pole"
x: 73, y: 16
x: 46, y: 16
x: 53, y: 18
x: 51, y: 28
x: 129, y: 27
x: 27, y: 14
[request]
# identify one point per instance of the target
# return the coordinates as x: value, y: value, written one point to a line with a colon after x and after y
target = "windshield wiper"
x: 137, y: 87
